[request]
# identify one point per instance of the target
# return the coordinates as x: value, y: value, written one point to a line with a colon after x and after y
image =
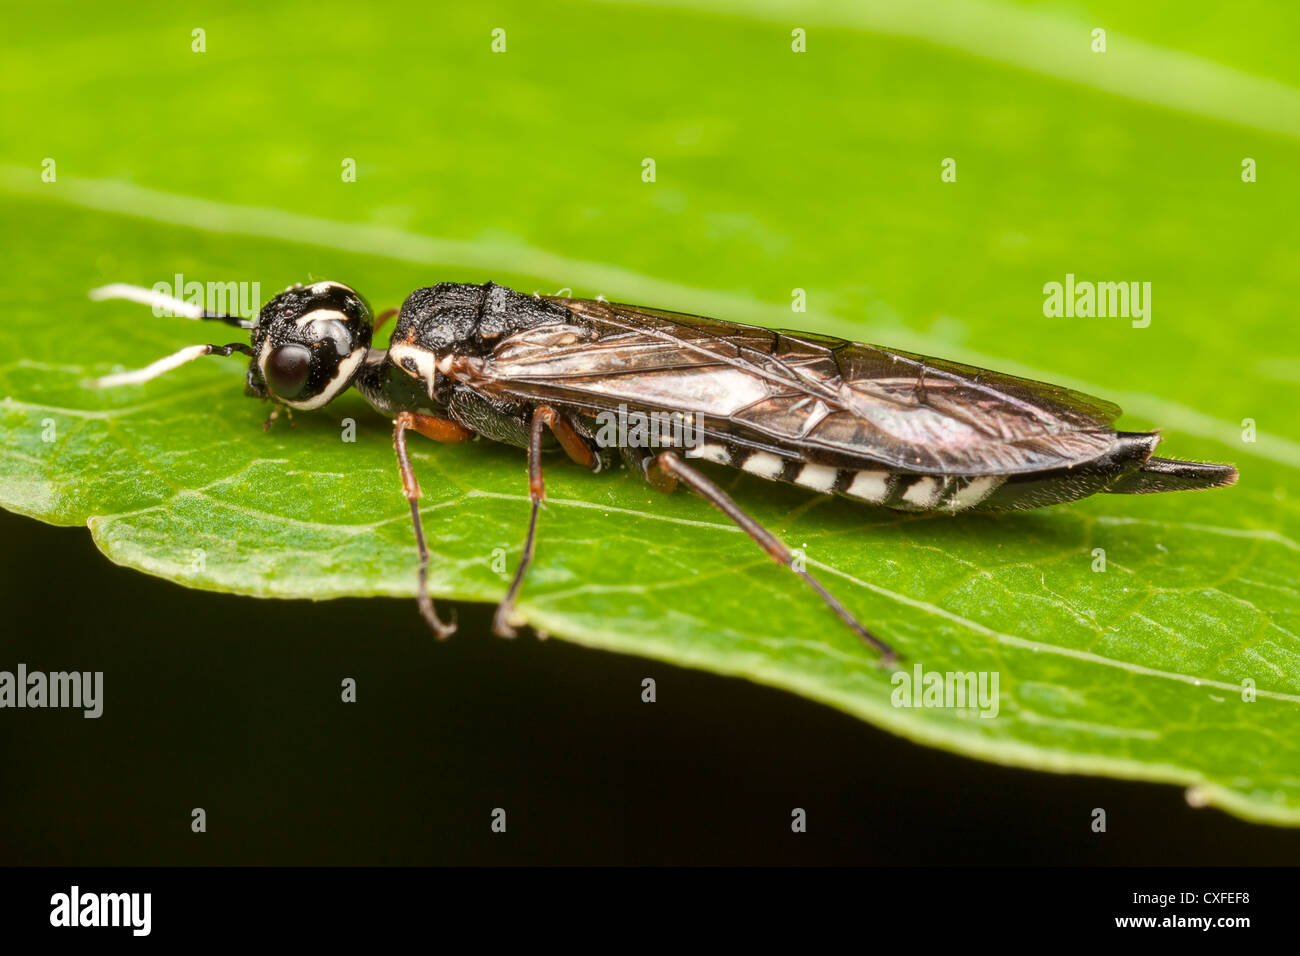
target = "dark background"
x: 233, y: 704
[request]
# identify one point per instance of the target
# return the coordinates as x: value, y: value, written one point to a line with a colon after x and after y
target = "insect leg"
x: 383, y: 317
x: 275, y: 414
x: 673, y: 465
x: 658, y: 478
x: 543, y: 417
x: 438, y: 429
x: 432, y: 428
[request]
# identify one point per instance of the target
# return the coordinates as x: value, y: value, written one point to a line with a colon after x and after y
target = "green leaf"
x: 775, y: 171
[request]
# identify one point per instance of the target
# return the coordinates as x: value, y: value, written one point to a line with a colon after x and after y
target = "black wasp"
x: 836, y: 417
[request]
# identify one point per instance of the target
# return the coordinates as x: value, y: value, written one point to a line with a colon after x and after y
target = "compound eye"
x: 287, y: 369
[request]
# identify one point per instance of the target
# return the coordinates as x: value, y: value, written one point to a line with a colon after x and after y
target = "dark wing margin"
x: 822, y: 398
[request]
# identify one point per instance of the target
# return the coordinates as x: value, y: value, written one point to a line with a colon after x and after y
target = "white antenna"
x: 151, y: 297
x: 154, y: 369
x: 164, y: 366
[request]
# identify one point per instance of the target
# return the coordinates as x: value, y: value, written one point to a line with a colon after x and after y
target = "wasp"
x: 877, y: 425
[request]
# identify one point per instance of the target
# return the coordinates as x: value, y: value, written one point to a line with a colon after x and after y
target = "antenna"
x: 156, y: 299
x: 164, y: 365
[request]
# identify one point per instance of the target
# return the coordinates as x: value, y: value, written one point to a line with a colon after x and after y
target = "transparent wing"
x: 828, y: 399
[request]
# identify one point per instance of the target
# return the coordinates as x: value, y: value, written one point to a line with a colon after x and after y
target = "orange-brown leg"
x: 657, y: 476
x: 383, y: 317
x: 543, y: 417
x: 439, y: 430
x: 275, y: 414
x: 574, y: 445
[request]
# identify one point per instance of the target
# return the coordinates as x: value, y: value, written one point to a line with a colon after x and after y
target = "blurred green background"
x: 774, y: 171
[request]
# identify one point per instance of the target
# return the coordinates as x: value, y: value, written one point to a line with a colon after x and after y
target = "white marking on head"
x: 334, y: 386
x: 320, y: 315
x: 160, y: 367
x: 817, y: 477
x: 324, y: 286
x: 262, y: 356
x: 870, y: 486
x: 764, y: 465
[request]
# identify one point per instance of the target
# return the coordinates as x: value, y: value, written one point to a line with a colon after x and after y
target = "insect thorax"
x: 456, y: 319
